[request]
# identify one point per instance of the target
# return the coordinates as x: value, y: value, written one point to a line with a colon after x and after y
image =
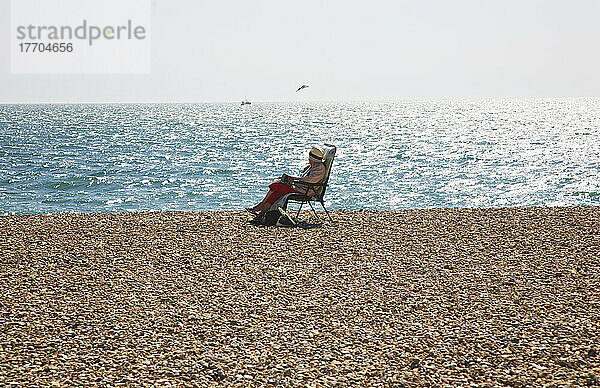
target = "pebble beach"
x: 437, y: 297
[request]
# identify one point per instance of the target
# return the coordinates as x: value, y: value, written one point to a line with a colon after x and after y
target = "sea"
x: 221, y: 156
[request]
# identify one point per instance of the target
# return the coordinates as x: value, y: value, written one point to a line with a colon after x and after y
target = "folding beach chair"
x: 318, y: 188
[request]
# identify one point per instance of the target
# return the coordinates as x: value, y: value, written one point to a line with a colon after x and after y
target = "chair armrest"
x: 306, y: 186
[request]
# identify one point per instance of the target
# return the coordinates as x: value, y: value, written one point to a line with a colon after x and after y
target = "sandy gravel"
x: 407, y: 298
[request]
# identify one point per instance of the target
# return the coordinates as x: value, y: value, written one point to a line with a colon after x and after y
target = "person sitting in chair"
x: 313, y: 173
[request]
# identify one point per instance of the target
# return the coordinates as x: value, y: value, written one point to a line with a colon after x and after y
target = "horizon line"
x: 353, y: 100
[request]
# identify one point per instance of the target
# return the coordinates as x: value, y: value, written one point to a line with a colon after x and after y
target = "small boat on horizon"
x: 246, y: 102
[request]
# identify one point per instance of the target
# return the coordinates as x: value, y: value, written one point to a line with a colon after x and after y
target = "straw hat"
x: 316, y: 155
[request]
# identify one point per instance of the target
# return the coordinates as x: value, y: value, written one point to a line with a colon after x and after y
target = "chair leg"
x: 314, y: 211
x: 300, y: 208
x: 324, y: 208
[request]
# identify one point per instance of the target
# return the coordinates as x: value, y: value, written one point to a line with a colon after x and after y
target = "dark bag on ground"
x: 271, y: 217
x: 275, y: 217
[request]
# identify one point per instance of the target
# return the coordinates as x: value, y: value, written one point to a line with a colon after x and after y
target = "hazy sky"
x: 204, y: 51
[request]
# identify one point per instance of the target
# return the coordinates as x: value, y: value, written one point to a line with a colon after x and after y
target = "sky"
x: 263, y: 50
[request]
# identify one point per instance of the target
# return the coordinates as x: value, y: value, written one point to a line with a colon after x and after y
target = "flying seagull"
x: 301, y: 87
